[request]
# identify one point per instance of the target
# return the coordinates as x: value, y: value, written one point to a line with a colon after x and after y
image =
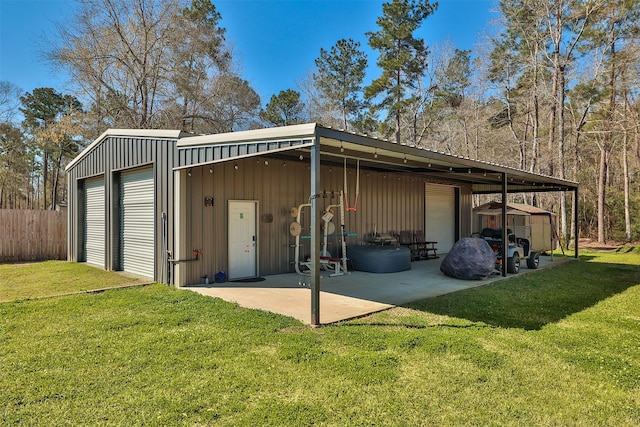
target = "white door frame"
x: 243, y: 254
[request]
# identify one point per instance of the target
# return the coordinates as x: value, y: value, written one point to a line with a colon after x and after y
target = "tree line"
x: 554, y: 90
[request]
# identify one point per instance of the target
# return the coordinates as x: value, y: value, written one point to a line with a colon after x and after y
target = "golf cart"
x: 529, y: 233
x: 518, y: 249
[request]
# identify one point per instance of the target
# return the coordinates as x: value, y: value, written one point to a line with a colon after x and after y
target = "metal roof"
x: 374, y: 153
x: 141, y: 133
x: 335, y: 146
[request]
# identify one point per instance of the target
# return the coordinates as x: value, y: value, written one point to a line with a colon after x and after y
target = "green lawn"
x: 559, y: 347
x: 53, y: 278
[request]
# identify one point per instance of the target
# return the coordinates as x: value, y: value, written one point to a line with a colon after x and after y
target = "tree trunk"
x: 398, y: 78
x: 45, y: 166
x: 602, y: 184
x: 536, y: 135
x: 625, y: 168
x: 608, y: 139
x: 553, y: 112
x: 561, y: 136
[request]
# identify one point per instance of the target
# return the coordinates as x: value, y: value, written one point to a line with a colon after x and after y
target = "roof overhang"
x: 376, y: 154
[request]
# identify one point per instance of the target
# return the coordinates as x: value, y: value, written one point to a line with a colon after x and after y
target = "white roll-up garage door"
x: 94, y: 230
x: 137, y: 243
x: 440, y: 216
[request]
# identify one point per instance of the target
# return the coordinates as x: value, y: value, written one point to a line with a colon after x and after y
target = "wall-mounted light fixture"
x: 189, y: 172
x: 210, y: 170
x: 341, y: 147
x: 405, y: 159
x: 235, y: 166
x: 266, y: 162
x: 375, y: 153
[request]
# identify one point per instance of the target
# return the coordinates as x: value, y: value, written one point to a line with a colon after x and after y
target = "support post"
x: 576, y: 228
x: 315, y: 233
x: 176, y: 273
x: 505, y: 237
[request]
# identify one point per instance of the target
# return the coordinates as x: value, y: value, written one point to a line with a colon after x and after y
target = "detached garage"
x: 178, y: 208
x: 120, y: 189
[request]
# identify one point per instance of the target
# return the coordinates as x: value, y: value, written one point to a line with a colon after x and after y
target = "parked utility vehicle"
x: 518, y: 249
x: 529, y: 222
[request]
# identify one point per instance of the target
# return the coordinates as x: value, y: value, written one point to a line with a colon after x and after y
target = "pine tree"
x: 283, y: 109
x: 403, y: 58
x: 340, y: 75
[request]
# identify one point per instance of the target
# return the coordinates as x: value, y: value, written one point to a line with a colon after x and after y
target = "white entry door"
x: 243, y: 254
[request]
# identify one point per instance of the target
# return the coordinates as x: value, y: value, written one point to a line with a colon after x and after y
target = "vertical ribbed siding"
x: 111, y: 157
x: 389, y: 202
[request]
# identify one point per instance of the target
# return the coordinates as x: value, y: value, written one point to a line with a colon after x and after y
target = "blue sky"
x: 274, y: 42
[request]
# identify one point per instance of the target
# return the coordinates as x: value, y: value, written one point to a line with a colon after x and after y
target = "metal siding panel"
x: 466, y: 211
x: 94, y: 222
x: 137, y: 222
x: 392, y: 201
x: 76, y: 222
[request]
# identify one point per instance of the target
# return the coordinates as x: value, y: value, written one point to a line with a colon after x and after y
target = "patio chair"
x: 426, y: 248
x: 406, y: 239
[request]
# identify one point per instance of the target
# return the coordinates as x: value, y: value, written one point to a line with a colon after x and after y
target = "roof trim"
x: 140, y: 133
x: 302, y: 131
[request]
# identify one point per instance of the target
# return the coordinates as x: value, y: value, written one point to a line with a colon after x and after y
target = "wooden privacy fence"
x: 32, y: 235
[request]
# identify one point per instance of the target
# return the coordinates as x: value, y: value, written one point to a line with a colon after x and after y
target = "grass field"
x: 53, y: 278
x: 559, y: 347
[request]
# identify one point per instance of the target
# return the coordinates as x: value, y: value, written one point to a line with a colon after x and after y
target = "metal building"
x: 179, y: 208
x: 120, y: 210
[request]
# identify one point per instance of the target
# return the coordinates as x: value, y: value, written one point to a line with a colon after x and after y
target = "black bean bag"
x: 469, y: 259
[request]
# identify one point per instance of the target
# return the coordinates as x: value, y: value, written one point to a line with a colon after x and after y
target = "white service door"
x: 243, y: 256
x: 94, y: 229
x: 440, y: 216
x: 137, y: 222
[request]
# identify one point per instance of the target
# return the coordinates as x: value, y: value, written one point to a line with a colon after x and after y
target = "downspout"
x: 315, y: 231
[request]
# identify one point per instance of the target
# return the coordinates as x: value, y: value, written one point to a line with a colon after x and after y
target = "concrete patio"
x: 352, y: 295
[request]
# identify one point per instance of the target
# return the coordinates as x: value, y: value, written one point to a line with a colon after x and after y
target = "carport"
x: 323, y: 145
